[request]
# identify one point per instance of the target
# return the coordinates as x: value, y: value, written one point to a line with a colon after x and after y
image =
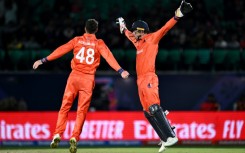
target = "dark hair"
x: 91, y: 26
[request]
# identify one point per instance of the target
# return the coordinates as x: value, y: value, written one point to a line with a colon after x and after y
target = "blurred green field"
x: 128, y: 150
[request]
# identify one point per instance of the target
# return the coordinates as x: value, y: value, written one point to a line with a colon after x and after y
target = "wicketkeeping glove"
x: 122, y: 25
x: 183, y: 9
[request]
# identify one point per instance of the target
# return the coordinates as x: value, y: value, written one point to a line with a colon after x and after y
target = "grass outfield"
x: 128, y: 150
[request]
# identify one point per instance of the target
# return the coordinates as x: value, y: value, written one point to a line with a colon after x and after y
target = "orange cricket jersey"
x: 86, y: 50
x: 147, y: 47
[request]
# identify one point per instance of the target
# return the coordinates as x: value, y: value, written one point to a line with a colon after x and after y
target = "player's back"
x: 86, y: 55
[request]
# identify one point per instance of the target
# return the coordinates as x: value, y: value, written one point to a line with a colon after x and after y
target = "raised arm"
x: 183, y: 9
x: 123, y: 29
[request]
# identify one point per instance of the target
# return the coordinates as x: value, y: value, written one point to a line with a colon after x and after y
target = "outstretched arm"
x: 39, y: 62
x: 183, y: 9
x: 124, y: 74
x: 60, y: 51
x: 123, y: 29
x: 122, y: 25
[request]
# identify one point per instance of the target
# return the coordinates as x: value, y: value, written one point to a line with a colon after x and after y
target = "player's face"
x: 138, y: 34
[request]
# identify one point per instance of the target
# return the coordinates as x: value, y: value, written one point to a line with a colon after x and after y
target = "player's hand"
x: 183, y: 9
x: 122, y: 25
x: 37, y: 63
x: 125, y: 74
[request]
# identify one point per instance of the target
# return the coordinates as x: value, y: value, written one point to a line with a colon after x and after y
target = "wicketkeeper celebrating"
x: 146, y: 45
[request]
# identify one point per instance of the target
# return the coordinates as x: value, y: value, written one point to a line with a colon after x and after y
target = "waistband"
x: 82, y: 73
x: 146, y: 74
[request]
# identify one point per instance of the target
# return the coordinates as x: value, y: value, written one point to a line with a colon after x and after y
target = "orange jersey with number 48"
x: 86, y: 50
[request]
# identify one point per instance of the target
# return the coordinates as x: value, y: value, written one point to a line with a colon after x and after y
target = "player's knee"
x: 147, y: 115
x: 154, y: 108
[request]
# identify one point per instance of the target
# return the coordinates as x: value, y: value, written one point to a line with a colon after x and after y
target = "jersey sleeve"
x: 161, y: 32
x: 107, y: 55
x: 130, y: 36
x: 60, y: 51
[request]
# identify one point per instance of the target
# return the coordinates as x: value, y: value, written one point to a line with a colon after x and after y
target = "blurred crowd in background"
x: 28, y: 24
x: 35, y: 26
x: 43, y: 25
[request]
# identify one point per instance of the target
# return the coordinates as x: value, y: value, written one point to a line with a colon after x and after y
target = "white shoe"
x: 73, y: 145
x: 55, y: 141
x: 171, y: 141
x: 162, y: 148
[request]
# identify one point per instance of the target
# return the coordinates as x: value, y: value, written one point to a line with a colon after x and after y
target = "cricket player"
x: 87, y: 50
x: 146, y: 45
